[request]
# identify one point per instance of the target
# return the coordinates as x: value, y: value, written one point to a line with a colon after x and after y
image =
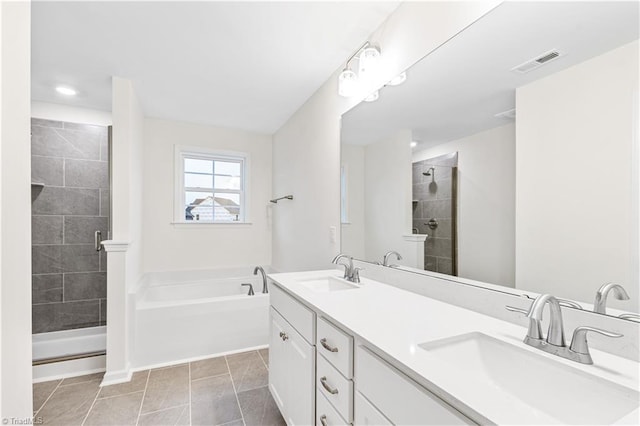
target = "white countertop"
x: 394, y: 322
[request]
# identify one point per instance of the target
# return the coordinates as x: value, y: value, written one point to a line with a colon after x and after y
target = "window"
x: 211, y: 186
x: 344, y: 217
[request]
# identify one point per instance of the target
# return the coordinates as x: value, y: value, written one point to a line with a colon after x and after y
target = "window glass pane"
x: 226, y: 207
x: 199, y: 206
x: 228, y: 169
x: 198, y: 166
x: 197, y: 181
x: 227, y: 182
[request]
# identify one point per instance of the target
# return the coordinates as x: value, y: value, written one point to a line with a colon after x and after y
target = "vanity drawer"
x: 399, y: 398
x: 366, y: 414
x: 326, y: 415
x: 296, y: 314
x: 329, y: 379
x: 336, y: 346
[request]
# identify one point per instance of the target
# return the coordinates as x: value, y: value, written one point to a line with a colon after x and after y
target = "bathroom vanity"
x: 373, y: 354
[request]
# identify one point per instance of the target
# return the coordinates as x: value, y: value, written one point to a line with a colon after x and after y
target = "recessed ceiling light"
x: 413, y: 144
x: 67, y: 91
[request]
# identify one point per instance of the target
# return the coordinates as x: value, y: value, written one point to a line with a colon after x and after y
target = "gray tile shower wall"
x: 69, y: 278
x: 433, y: 199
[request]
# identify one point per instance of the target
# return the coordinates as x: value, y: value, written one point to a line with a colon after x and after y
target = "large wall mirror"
x: 509, y: 156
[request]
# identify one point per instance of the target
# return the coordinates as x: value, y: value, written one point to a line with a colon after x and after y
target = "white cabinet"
x: 291, y: 372
x: 397, y: 397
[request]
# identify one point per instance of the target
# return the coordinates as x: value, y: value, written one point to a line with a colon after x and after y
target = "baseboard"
x: 116, y: 377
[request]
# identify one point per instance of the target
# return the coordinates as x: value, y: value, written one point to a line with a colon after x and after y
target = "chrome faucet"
x: 350, y: 273
x: 264, y: 278
x: 554, y: 342
x: 555, y: 334
x: 385, y: 261
x: 600, y: 304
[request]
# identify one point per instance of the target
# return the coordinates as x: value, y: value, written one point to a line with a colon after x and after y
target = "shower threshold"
x: 69, y: 345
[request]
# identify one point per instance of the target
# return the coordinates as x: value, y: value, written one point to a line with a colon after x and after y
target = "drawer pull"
x: 323, y: 381
x: 323, y: 420
x: 325, y: 345
x: 284, y: 336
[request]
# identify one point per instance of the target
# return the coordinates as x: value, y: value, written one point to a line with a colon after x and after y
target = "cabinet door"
x: 300, y: 373
x: 278, y: 374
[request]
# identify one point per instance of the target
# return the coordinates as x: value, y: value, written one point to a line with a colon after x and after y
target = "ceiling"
x: 245, y: 65
x: 457, y: 90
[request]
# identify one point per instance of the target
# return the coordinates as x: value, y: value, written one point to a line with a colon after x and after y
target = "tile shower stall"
x: 69, y: 203
x: 434, y: 211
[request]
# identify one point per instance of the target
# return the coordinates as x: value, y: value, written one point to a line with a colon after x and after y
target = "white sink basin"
x: 559, y: 391
x: 328, y: 284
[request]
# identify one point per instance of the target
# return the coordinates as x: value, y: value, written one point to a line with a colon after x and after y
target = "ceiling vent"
x: 509, y: 115
x: 532, y: 64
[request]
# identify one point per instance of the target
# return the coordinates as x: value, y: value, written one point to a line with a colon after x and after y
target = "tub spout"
x: 264, y: 278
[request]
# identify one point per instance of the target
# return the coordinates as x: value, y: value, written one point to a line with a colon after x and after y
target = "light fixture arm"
x: 365, y: 45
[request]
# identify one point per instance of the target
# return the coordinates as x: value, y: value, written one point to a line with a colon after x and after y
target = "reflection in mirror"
x: 509, y: 156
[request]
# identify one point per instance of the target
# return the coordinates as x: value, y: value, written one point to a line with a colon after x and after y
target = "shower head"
x: 428, y: 172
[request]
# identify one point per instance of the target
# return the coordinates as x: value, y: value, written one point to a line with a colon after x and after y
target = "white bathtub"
x: 181, y: 316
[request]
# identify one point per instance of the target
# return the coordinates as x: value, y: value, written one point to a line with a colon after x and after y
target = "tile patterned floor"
x: 229, y: 390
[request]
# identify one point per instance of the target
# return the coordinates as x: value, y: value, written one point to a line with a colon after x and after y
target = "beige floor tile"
x: 259, y: 408
x: 69, y: 404
x: 176, y: 416
x: 264, y: 353
x: 42, y: 391
x: 137, y: 383
x: 248, y: 371
x: 82, y: 379
x: 216, y: 411
x: 209, y: 367
x: 119, y: 410
x: 167, y: 387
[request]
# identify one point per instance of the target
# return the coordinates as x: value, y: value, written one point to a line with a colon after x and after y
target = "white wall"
x: 575, y: 139
x: 71, y: 114
x: 353, y: 232
x: 15, y: 204
x: 170, y: 246
x: 387, y: 182
x: 306, y: 150
x: 486, y: 203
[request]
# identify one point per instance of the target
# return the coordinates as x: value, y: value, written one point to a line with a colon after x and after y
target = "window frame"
x: 183, y: 152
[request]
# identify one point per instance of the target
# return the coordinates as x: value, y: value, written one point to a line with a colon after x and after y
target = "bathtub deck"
x: 229, y: 390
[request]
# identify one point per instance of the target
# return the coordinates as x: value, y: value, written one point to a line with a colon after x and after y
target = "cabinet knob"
x: 284, y: 336
x: 323, y: 420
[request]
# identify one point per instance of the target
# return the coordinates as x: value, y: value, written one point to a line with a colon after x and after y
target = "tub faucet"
x: 264, y: 278
x: 600, y: 304
x: 385, y: 261
x: 251, y: 293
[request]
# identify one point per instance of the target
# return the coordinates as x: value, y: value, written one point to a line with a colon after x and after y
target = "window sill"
x: 197, y: 223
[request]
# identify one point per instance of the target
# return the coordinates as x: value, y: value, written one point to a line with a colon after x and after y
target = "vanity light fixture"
x: 368, y: 58
x: 398, y: 80
x: 66, y: 90
x: 373, y: 96
x: 347, y: 83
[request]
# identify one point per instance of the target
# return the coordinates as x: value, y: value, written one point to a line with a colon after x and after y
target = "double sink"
x: 535, y: 380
